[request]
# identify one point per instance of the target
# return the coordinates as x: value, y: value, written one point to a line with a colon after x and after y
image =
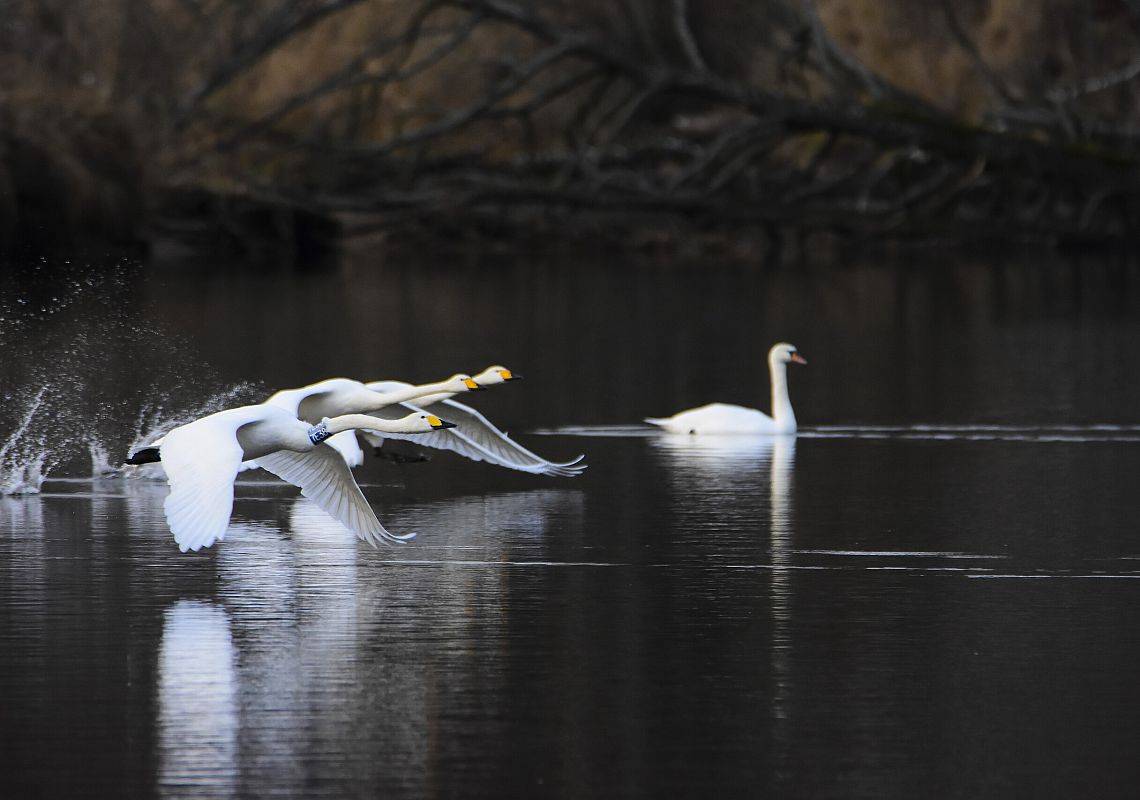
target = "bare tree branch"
x: 685, y: 36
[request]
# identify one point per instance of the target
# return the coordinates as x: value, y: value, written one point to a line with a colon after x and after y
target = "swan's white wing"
x: 201, y: 461
x: 345, y: 443
x: 325, y: 479
x: 290, y: 399
x: 483, y: 432
x: 475, y: 437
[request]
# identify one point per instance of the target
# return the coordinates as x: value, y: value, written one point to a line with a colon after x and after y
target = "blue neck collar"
x: 319, y: 432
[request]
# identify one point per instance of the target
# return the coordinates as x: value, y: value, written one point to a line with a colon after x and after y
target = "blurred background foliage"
x: 298, y: 121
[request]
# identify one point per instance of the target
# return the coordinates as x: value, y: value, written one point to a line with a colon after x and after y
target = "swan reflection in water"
x: 340, y: 644
x: 197, y: 702
x: 491, y: 521
x: 709, y: 473
x: 721, y: 476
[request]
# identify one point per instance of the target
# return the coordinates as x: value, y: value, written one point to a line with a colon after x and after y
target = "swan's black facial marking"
x: 318, y: 433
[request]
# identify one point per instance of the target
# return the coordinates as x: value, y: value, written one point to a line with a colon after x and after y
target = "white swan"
x: 723, y: 418
x: 474, y: 437
x: 202, y: 459
x: 336, y: 396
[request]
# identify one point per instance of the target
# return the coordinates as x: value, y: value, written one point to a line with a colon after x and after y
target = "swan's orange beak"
x: 438, y: 423
x: 507, y: 375
x: 470, y: 384
x: 796, y: 357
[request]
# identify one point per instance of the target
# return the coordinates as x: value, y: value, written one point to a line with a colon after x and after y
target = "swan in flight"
x: 202, y: 458
x: 474, y: 437
x: 723, y: 418
x: 336, y: 396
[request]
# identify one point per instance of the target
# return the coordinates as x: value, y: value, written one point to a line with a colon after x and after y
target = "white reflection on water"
x: 781, y: 523
x: 257, y: 565
x: 724, y: 466
x: 483, y: 521
x: 338, y: 646
x: 718, y: 480
x: 21, y: 515
x: 197, y: 693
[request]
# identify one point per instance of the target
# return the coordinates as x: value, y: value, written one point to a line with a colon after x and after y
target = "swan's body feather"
x: 313, y: 399
x: 718, y: 418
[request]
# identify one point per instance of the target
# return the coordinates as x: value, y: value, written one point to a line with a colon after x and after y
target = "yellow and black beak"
x: 438, y: 423
x: 507, y: 375
x: 471, y: 385
x: 797, y: 358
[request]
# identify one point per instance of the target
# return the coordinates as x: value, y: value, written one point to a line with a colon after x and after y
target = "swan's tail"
x: 148, y: 455
x: 656, y: 421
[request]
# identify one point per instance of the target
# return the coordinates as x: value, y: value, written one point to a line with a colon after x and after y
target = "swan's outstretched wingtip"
x: 398, y: 538
x: 557, y: 471
x: 656, y: 421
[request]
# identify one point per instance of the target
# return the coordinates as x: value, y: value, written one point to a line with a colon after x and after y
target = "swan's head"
x: 492, y: 375
x: 419, y: 422
x: 784, y: 353
x: 461, y: 382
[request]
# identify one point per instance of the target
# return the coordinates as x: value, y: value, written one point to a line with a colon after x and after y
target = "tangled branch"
x: 559, y: 112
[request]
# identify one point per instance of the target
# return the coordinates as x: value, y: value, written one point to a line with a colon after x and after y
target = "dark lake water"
x: 932, y: 591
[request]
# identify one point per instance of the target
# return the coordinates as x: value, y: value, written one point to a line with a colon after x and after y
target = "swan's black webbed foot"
x: 400, y: 458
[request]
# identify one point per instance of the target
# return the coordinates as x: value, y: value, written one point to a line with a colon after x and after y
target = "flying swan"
x: 723, y: 418
x: 203, y: 457
x: 336, y: 396
x: 474, y: 437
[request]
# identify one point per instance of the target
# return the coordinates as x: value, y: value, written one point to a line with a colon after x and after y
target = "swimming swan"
x: 336, y: 396
x: 474, y: 437
x: 723, y: 418
x: 202, y: 459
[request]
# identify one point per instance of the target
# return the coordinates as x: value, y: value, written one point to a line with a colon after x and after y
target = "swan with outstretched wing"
x: 203, y: 457
x: 474, y: 436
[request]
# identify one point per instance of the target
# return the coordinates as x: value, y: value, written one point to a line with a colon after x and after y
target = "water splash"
x: 26, y: 458
x: 88, y: 377
x: 154, y: 421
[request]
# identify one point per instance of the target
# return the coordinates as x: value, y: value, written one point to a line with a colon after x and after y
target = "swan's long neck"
x: 350, y: 422
x: 381, y: 400
x: 781, y: 404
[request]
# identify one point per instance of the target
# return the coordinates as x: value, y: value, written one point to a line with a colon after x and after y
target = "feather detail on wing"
x: 477, y: 438
x: 324, y: 478
x: 201, y: 461
x: 345, y: 443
